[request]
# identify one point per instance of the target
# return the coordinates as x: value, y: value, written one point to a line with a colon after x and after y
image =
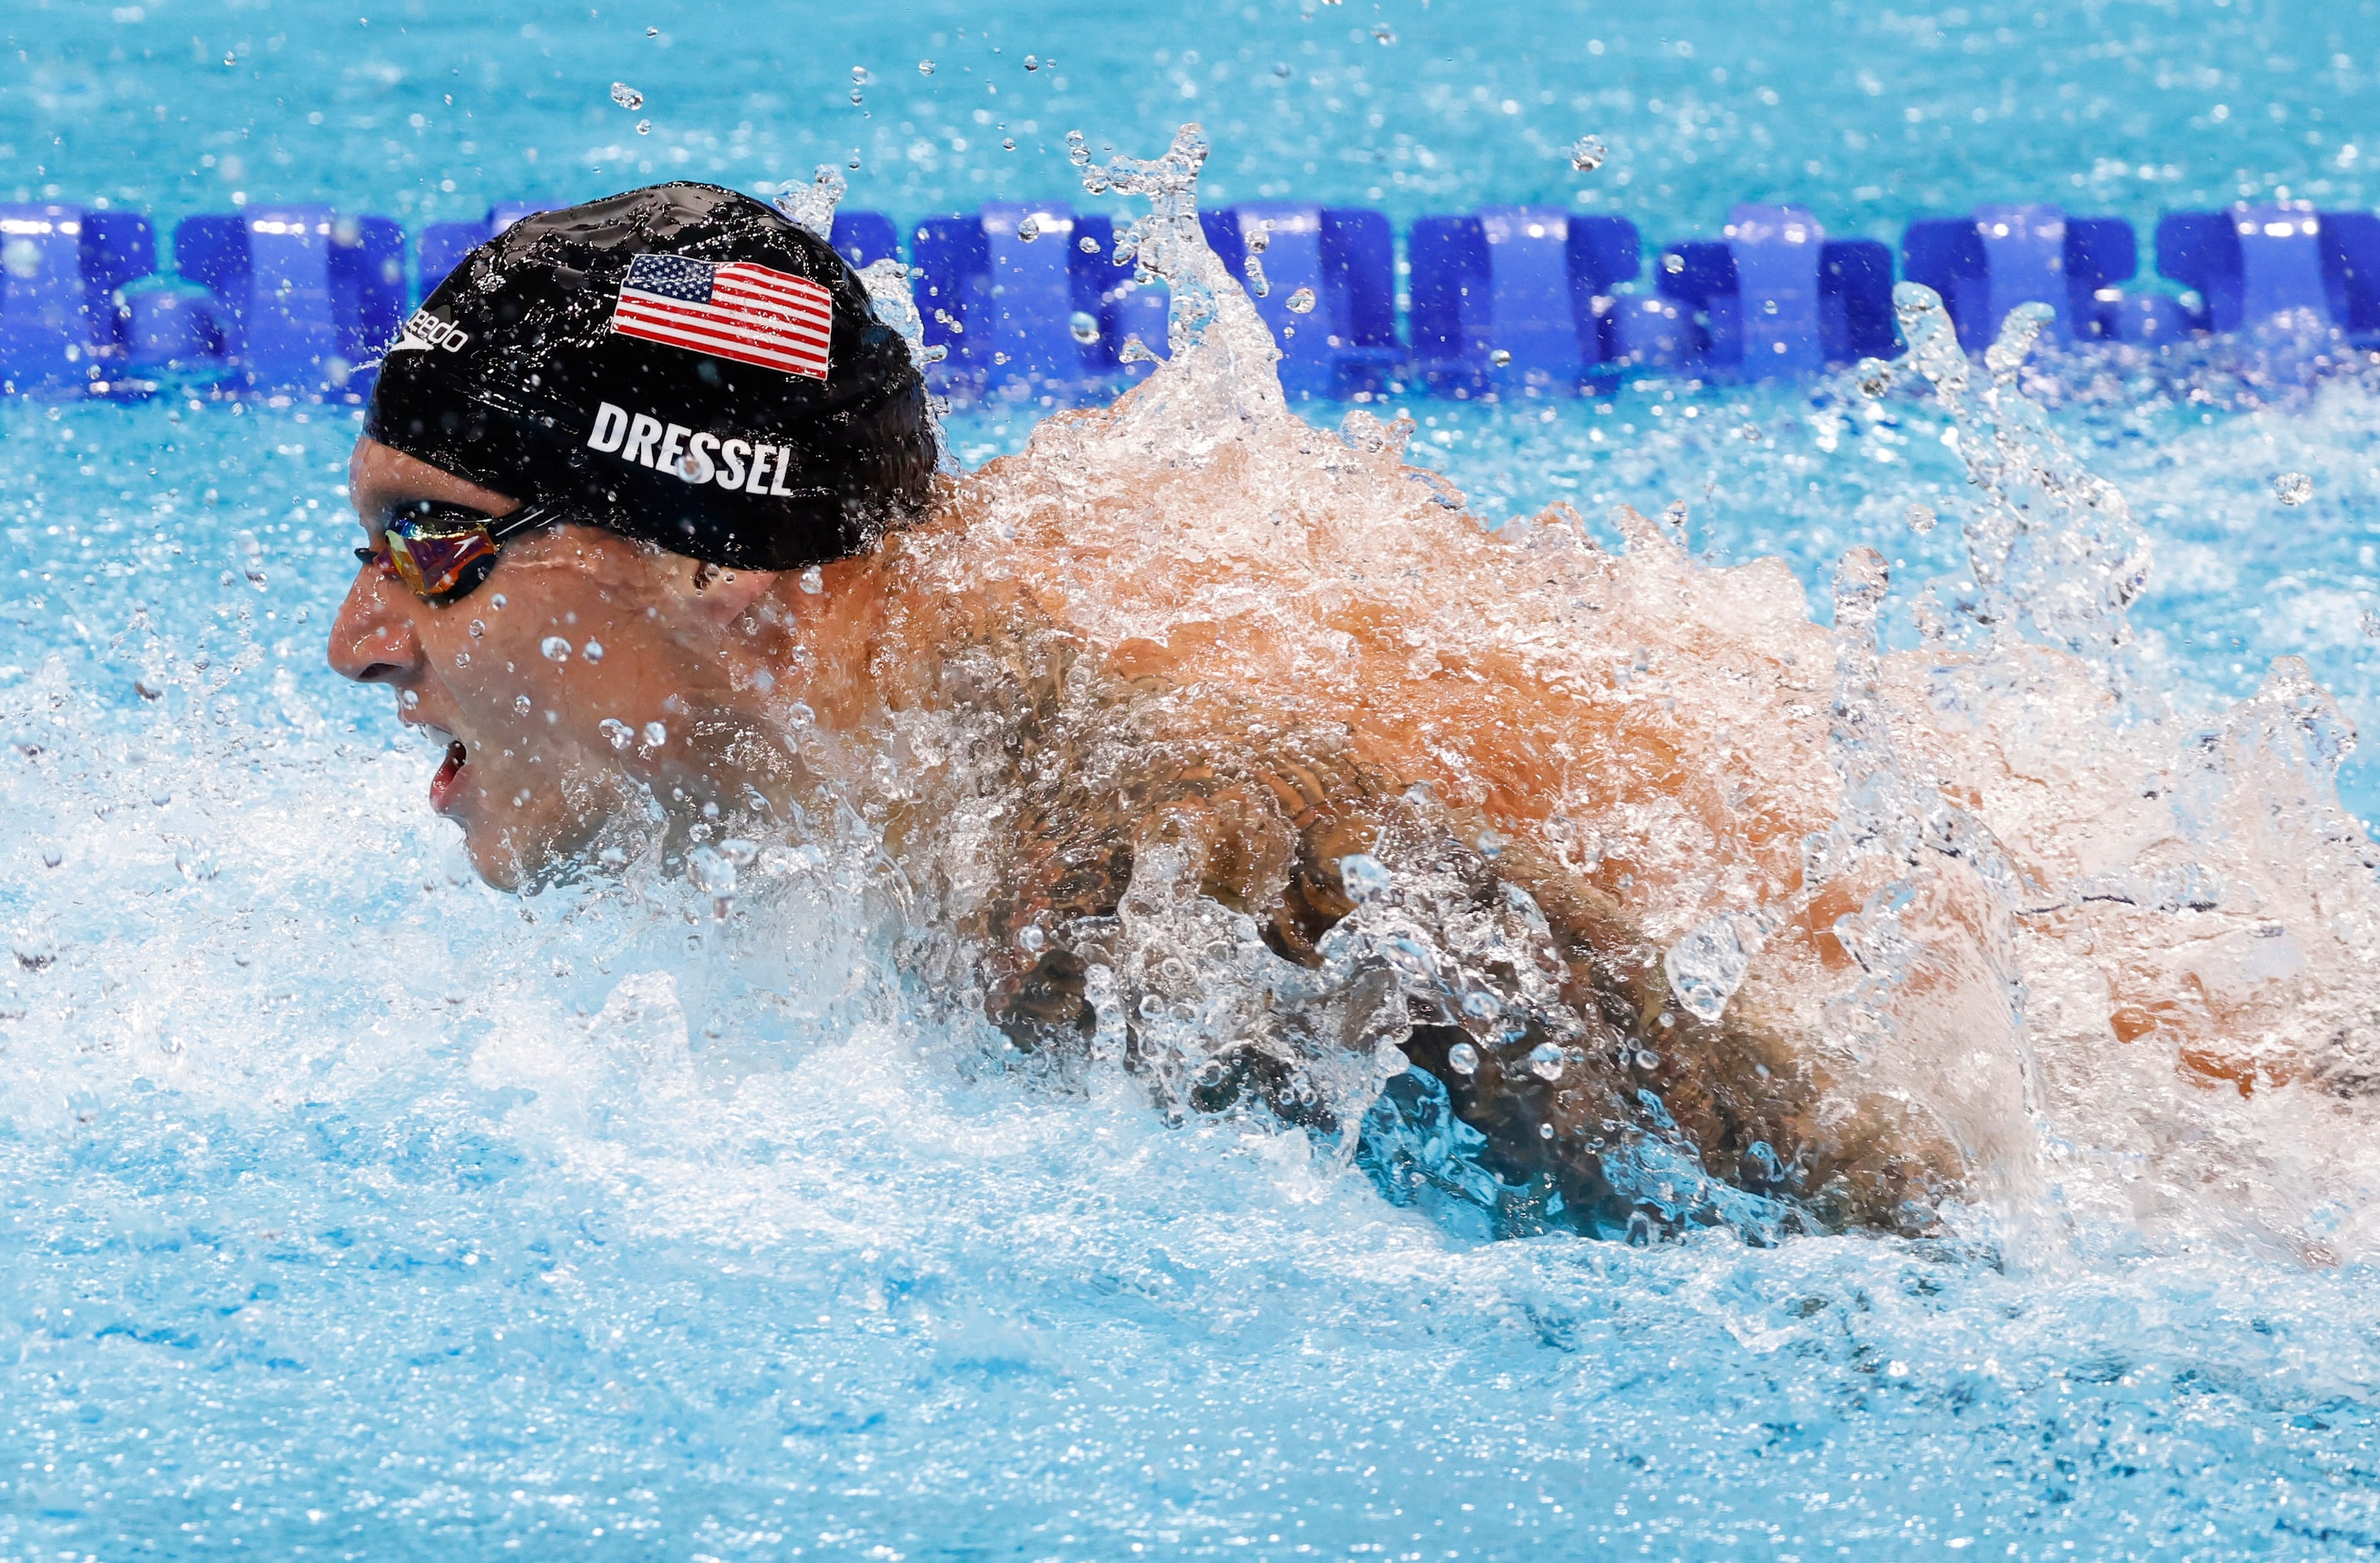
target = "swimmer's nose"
x: 372, y: 642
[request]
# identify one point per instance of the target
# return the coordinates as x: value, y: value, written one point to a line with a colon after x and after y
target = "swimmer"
x: 654, y: 544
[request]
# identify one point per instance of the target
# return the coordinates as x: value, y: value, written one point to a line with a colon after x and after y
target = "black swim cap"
x: 680, y: 364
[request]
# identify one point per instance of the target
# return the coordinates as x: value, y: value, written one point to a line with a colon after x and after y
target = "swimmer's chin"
x: 506, y: 861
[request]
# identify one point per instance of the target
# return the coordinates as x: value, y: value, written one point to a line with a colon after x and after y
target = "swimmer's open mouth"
x: 448, y: 783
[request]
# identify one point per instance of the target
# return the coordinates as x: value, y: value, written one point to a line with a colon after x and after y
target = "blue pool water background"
x: 353, y: 1210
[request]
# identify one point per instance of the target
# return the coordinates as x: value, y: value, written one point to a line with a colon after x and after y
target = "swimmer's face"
x: 506, y: 679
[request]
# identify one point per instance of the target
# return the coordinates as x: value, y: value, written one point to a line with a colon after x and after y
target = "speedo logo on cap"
x: 425, y: 332
x: 745, y: 466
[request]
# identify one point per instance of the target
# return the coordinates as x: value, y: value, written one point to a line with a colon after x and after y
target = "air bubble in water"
x: 1029, y: 229
x: 497, y: 601
x: 1085, y: 328
x: 521, y: 705
x: 652, y: 33
x: 925, y: 67
x: 644, y: 127
x: 1545, y: 1131
x: 616, y: 732
x: 1281, y: 67
x: 1463, y: 1059
x: 1382, y: 35
x: 478, y: 628
x: 1501, y: 358
x: 1921, y: 520
x: 627, y: 97
x: 2293, y: 488
x: 1545, y: 1060
x: 1031, y: 62
x: 1587, y: 154
x: 554, y: 649
x: 1673, y: 263
x: 655, y: 734
x: 592, y: 652
x: 1874, y: 377
x: 462, y: 658
x: 858, y: 75
x: 1008, y: 143
x: 812, y: 581
x: 1302, y: 301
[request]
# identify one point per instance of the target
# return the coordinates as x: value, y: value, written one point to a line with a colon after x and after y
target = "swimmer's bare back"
x: 1110, y: 754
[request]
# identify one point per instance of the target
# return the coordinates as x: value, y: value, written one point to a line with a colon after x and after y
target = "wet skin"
x: 534, y: 779
x: 533, y: 786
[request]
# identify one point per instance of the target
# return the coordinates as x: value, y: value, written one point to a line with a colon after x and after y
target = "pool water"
x: 350, y: 1210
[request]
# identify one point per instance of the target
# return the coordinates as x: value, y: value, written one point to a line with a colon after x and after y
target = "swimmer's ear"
x: 721, y: 596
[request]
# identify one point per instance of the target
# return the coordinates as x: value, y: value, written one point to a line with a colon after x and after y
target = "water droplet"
x: 2372, y: 624
x: 1031, y: 62
x: 812, y: 581
x: 1085, y: 327
x: 1000, y: 358
x: 925, y: 67
x: 616, y: 732
x: 1366, y: 876
x: 409, y: 699
x: 1546, y: 1061
x: 1381, y: 34
x: 1087, y: 245
x: 644, y: 127
x: 1031, y: 939
x: 1501, y: 357
x: 859, y: 74
x: 478, y: 628
x: 627, y: 97
x: 1545, y: 1131
x: 858, y: 96
x: 655, y: 734
x: 1008, y: 143
x: 592, y: 652
x: 1463, y: 1059
x: 1921, y: 520
x: 1673, y: 262
x: 2293, y: 488
x: 652, y: 33
x: 1391, y: 1060
x: 709, y: 871
x: 1281, y: 67
x: 554, y: 649
x: 497, y: 601
x: 1302, y: 301
x: 1587, y: 154
x: 462, y: 658
x: 521, y: 705
x: 1647, y: 1060
x: 1873, y: 376
x: 1029, y: 229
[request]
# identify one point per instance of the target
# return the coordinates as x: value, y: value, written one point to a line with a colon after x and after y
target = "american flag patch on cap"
x: 729, y: 309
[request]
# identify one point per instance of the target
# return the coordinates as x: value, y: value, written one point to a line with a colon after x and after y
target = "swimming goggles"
x: 443, y: 552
